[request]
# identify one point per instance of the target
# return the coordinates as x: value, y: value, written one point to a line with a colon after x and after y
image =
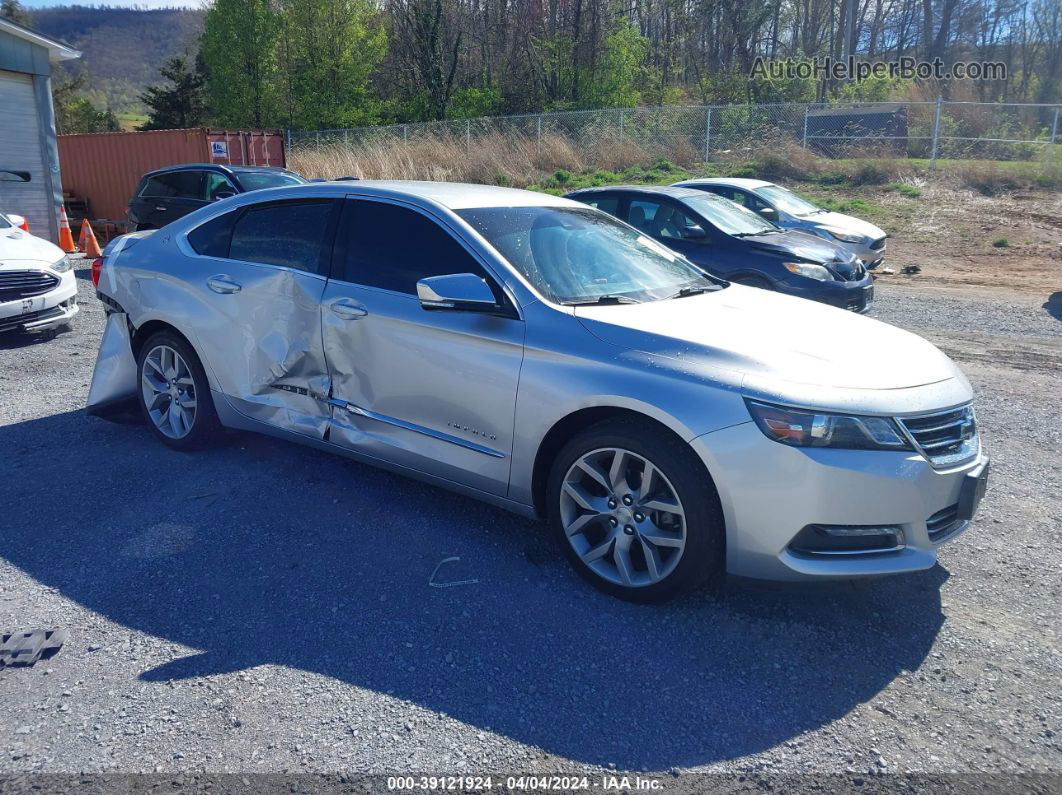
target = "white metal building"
x: 27, y: 126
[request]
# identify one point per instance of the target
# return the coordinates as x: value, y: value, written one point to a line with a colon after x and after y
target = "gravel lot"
x: 263, y: 607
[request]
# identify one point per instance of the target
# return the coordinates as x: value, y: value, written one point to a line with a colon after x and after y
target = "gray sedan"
x: 541, y: 355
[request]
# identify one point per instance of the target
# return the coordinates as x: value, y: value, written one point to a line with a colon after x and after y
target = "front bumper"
x: 857, y: 296
x: 770, y: 492
x: 42, y: 312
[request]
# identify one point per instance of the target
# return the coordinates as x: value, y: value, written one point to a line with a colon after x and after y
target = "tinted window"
x: 610, y: 204
x: 176, y: 184
x: 291, y: 234
x: 393, y: 247
x: 212, y: 238
x: 658, y: 219
x: 217, y: 183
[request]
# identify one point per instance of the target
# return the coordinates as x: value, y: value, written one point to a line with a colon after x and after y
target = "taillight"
x: 97, y: 268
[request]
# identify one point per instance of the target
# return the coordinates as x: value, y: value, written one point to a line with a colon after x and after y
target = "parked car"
x: 789, y: 210
x: 738, y: 245
x: 538, y: 354
x: 166, y: 194
x: 38, y: 291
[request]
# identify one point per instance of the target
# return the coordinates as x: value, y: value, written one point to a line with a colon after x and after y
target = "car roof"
x: 730, y: 182
x: 213, y: 167
x: 453, y: 195
x: 675, y: 192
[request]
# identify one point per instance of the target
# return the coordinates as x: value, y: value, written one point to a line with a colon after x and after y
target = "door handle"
x: 348, y: 309
x: 223, y: 284
x: 160, y: 209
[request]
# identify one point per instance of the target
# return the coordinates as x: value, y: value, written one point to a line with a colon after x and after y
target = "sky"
x: 115, y: 3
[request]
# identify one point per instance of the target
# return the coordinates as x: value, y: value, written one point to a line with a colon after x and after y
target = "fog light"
x: 825, y: 539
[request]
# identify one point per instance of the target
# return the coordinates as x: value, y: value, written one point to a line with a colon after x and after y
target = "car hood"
x: 772, y: 338
x: 802, y: 245
x: 846, y: 223
x: 17, y: 248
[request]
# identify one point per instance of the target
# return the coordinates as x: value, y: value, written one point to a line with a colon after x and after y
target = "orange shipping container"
x: 105, y: 167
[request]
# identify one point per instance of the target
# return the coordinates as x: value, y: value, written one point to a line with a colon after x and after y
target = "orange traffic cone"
x: 88, y: 242
x: 66, y: 239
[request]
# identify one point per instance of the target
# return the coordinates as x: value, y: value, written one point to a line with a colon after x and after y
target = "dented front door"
x: 263, y: 341
x: 434, y: 391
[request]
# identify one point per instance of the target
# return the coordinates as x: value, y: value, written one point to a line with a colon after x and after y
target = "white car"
x: 788, y: 210
x: 38, y: 290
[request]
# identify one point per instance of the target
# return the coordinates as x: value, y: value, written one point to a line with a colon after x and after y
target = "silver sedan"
x: 538, y: 354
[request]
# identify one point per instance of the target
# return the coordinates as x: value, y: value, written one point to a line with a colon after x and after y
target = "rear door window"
x: 291, y: 234
x: 175, y: 185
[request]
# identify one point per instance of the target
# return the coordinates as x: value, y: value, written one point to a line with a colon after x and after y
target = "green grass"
x: 130, y: 120
x: 1001, y: 243
x: 910, y: 191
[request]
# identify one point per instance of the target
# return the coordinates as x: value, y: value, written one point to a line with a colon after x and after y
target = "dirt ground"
x: 956, y: 237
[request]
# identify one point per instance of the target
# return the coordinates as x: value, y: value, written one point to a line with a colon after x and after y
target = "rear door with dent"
x: 261, y: 272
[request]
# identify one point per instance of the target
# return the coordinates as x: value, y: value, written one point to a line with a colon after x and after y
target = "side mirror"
x: 224, y: 194
x: 16, y: 220
x: 463, y: 292
x: 769, y: 213
x: 695, y: 232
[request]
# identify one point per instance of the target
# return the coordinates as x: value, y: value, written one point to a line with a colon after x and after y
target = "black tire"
x: 205, y: 427
x: 753, y: 281
x: 703, y: 559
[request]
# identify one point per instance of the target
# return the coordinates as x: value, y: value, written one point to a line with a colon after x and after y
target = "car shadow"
x: 1053, y: 305
x: 9, y: 340
x: 263, y: 552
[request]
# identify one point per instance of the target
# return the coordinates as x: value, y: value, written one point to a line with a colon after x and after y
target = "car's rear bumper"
x: 41, y: 312
x: 771, y: 492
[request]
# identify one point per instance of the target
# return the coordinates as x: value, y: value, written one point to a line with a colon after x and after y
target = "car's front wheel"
x: 635, y: 511
x: 174, y: 393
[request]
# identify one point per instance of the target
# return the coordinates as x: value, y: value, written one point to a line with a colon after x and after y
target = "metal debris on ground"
x: 23, y: 649
x: 451, y: 583
x: 911, y: 270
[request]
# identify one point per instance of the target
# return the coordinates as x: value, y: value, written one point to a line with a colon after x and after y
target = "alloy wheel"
x: 623, y: 517
x: 169, y: 392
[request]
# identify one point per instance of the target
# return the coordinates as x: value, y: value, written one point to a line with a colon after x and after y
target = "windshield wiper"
x: 755, y: 234
x: 687, y: 291
x: 604, y: 299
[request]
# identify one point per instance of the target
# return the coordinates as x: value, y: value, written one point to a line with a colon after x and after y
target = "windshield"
x: 728, y: 216
x: 259, y: 180
x: 577, y: 255
x: 787, y: 201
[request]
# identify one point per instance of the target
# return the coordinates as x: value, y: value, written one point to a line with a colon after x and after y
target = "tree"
x: 13, y: 10
x: 74, y: 112
x: 181, y: 103
x: 239, y: 48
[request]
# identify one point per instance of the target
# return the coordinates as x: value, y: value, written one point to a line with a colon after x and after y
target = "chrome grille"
x: 946, y: 438
x: 25, y: 284
x: 944, y: 524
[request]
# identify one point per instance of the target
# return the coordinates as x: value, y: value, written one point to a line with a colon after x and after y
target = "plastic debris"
x: 434, y: 584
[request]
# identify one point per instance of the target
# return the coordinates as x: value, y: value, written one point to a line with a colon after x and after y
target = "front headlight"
x: 807, y: 269
x: 63, y: 265
x: 844, y: 237
x: 799, y: 428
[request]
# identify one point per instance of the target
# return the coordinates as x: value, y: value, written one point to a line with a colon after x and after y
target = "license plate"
x: 974, y: 485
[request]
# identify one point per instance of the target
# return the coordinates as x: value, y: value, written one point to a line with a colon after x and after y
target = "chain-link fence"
x: 932, y: 130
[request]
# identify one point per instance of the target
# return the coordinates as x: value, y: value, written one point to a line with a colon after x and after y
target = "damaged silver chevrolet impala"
x: 538, y: 354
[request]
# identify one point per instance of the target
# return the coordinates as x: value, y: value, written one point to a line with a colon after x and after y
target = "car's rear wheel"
x: 635, y: 511
x: 174, y: 393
